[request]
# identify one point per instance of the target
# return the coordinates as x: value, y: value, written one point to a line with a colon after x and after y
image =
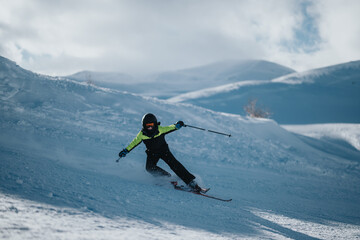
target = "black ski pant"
x: 175, y: 165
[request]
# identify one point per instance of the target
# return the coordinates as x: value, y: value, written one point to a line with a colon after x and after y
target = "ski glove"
x: 123, y: 153
x: 179, y: 124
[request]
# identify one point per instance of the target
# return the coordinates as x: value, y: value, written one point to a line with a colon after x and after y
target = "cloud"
x: 336, y: 38
x: 63, y: 37
x: 339, y: 26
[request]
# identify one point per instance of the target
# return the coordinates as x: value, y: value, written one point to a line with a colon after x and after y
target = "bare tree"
x: 255, y: 111
x: 89, y: 80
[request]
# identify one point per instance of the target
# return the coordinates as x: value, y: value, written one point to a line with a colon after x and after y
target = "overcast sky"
x: 140, y: 36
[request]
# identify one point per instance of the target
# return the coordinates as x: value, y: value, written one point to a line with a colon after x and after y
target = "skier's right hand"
x: 179, y: 124
x: 123, y: 153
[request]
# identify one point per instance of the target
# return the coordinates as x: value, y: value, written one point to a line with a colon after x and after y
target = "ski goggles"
x: 149, y: 125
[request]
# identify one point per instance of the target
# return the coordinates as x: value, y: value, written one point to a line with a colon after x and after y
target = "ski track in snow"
x: 59, y: 180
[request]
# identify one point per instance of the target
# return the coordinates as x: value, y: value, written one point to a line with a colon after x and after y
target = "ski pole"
x: 203, y: 129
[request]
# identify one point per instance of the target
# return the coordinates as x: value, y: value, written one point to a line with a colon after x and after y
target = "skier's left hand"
x: 179, y: 124
x: 123, y: 153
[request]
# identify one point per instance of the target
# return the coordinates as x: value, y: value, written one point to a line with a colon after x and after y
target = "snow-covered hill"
x: 58, y: 177
x: 326, y: 95
x: 225, y: 72
x: 167, y: 84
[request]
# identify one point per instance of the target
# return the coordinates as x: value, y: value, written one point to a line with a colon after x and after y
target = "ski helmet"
x: 149, y: 118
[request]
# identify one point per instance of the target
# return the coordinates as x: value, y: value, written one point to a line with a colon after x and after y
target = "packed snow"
x: 59, y: 179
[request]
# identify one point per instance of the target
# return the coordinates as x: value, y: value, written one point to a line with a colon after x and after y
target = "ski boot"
x: 195, y: 187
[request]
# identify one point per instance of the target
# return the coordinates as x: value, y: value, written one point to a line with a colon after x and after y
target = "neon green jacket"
x: 154, y: 144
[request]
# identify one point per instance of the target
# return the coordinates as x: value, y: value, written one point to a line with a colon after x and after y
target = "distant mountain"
x: 168, y: 84
x: 325, y: 95
x: 216, y: 74
x: 227, y: 71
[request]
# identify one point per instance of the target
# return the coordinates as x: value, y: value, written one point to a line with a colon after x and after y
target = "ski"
x: 182, y: 188
x: 188, y: 189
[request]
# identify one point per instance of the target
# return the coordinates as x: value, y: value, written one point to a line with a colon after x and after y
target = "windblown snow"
x: 59, y: 179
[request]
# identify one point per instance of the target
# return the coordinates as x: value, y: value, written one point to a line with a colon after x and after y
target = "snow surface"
x: 59, y: 180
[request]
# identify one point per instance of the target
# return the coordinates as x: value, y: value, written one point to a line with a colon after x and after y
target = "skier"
x: 153, y: 136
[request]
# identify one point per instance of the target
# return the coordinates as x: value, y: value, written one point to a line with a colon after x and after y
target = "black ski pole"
x: 203, y: 129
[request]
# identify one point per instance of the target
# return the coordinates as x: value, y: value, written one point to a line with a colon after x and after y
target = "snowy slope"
x: 326, y: 95
x: 166, y: 84
x: 58, y: 145
x: 346, y: 133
